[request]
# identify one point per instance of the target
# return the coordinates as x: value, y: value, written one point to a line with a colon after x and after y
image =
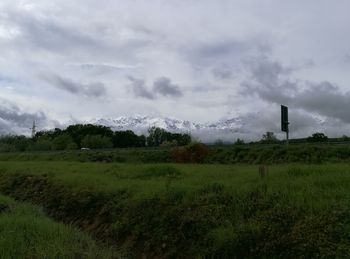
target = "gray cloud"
x: 47, y: 33
x: 212, y: 52
x: 139, y: 88
x: 100, y: 69
x: 223, y: 71
x: 164, y: 87
x: 267, y: 77
x: 346, y: 58
x: 124, y: 38
x: 96, y: 89
x: 14, y: 120
x: 303, y: 124
x: 161, y: 87
x: 325, y: 99
x: 270, y: 82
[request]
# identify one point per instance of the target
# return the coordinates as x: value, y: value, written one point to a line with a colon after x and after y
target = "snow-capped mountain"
x: 225, y: 130
x: 143, y: 123
x: 228, y: 124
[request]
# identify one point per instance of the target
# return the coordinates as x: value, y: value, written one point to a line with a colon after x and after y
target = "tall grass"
x: 25, y: 232
x: 320, y: 184
x: 219, y: 211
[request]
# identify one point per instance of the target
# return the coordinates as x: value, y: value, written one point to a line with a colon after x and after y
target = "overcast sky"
x: 198, y: 60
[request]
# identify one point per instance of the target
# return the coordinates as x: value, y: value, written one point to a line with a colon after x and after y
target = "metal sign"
x: 284, y: 118
x: 285, y: 122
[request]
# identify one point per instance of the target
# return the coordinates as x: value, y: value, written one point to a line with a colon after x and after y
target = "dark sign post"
x: 284, y: 121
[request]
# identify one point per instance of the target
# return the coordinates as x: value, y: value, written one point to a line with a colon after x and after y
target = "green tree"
x: 41, y: 144
x: 15, y: 143
x: 79, y: 131
x: 239, y: 142
x: 96, y: 141
x: 156, y: 136
x: 219, y: 142
x: 317, y: 137
x: 63, y: 142
x: 127, y: 138
x: 269, y: 138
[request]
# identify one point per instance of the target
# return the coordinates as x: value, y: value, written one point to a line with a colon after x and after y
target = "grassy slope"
x: 188, y: 210
x: 25, y: 232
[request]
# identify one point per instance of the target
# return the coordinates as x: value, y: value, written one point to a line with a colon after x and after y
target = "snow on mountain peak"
x: 143, y: 123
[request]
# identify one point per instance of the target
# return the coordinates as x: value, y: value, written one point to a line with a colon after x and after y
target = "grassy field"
x: 236, y: 154
x: 25, y: 232
x: 218, y: 211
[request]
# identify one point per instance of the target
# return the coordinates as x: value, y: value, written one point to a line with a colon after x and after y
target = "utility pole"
x: 33, y: 129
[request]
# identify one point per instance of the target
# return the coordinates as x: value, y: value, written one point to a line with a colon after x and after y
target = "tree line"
x: 270, y: 138
x: 91, y: 136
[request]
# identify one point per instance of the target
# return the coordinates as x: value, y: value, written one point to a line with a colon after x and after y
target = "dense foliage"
x: 158, y: 136
x: 313, y: 153
x: 318, y: 137
x: 90, y: 136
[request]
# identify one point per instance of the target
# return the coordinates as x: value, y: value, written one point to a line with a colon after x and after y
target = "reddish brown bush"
x: 193, y: 153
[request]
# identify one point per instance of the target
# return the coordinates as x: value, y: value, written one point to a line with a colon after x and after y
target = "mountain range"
x: 167, y: 123
x: 222, y: 129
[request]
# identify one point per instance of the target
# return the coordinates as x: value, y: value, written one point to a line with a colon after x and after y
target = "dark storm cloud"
x: 165, y: 87
x: 161, y: 87
x: 96, y: 89
x: 270, y: 81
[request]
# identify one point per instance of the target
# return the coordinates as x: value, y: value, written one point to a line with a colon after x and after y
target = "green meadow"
x: 193, y: 210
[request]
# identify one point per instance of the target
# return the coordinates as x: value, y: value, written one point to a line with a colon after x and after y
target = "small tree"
x: 344, y: 138
x: 269, y: 138
x: 219, y: 142
x: 317, y: 137
x: 156, y: 136
x: 63, y: 142
x: 96, y: 141
x: 239, y: 142
x: 42, y: 144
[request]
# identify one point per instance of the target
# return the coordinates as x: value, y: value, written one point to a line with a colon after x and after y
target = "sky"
x: 197, y: 60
